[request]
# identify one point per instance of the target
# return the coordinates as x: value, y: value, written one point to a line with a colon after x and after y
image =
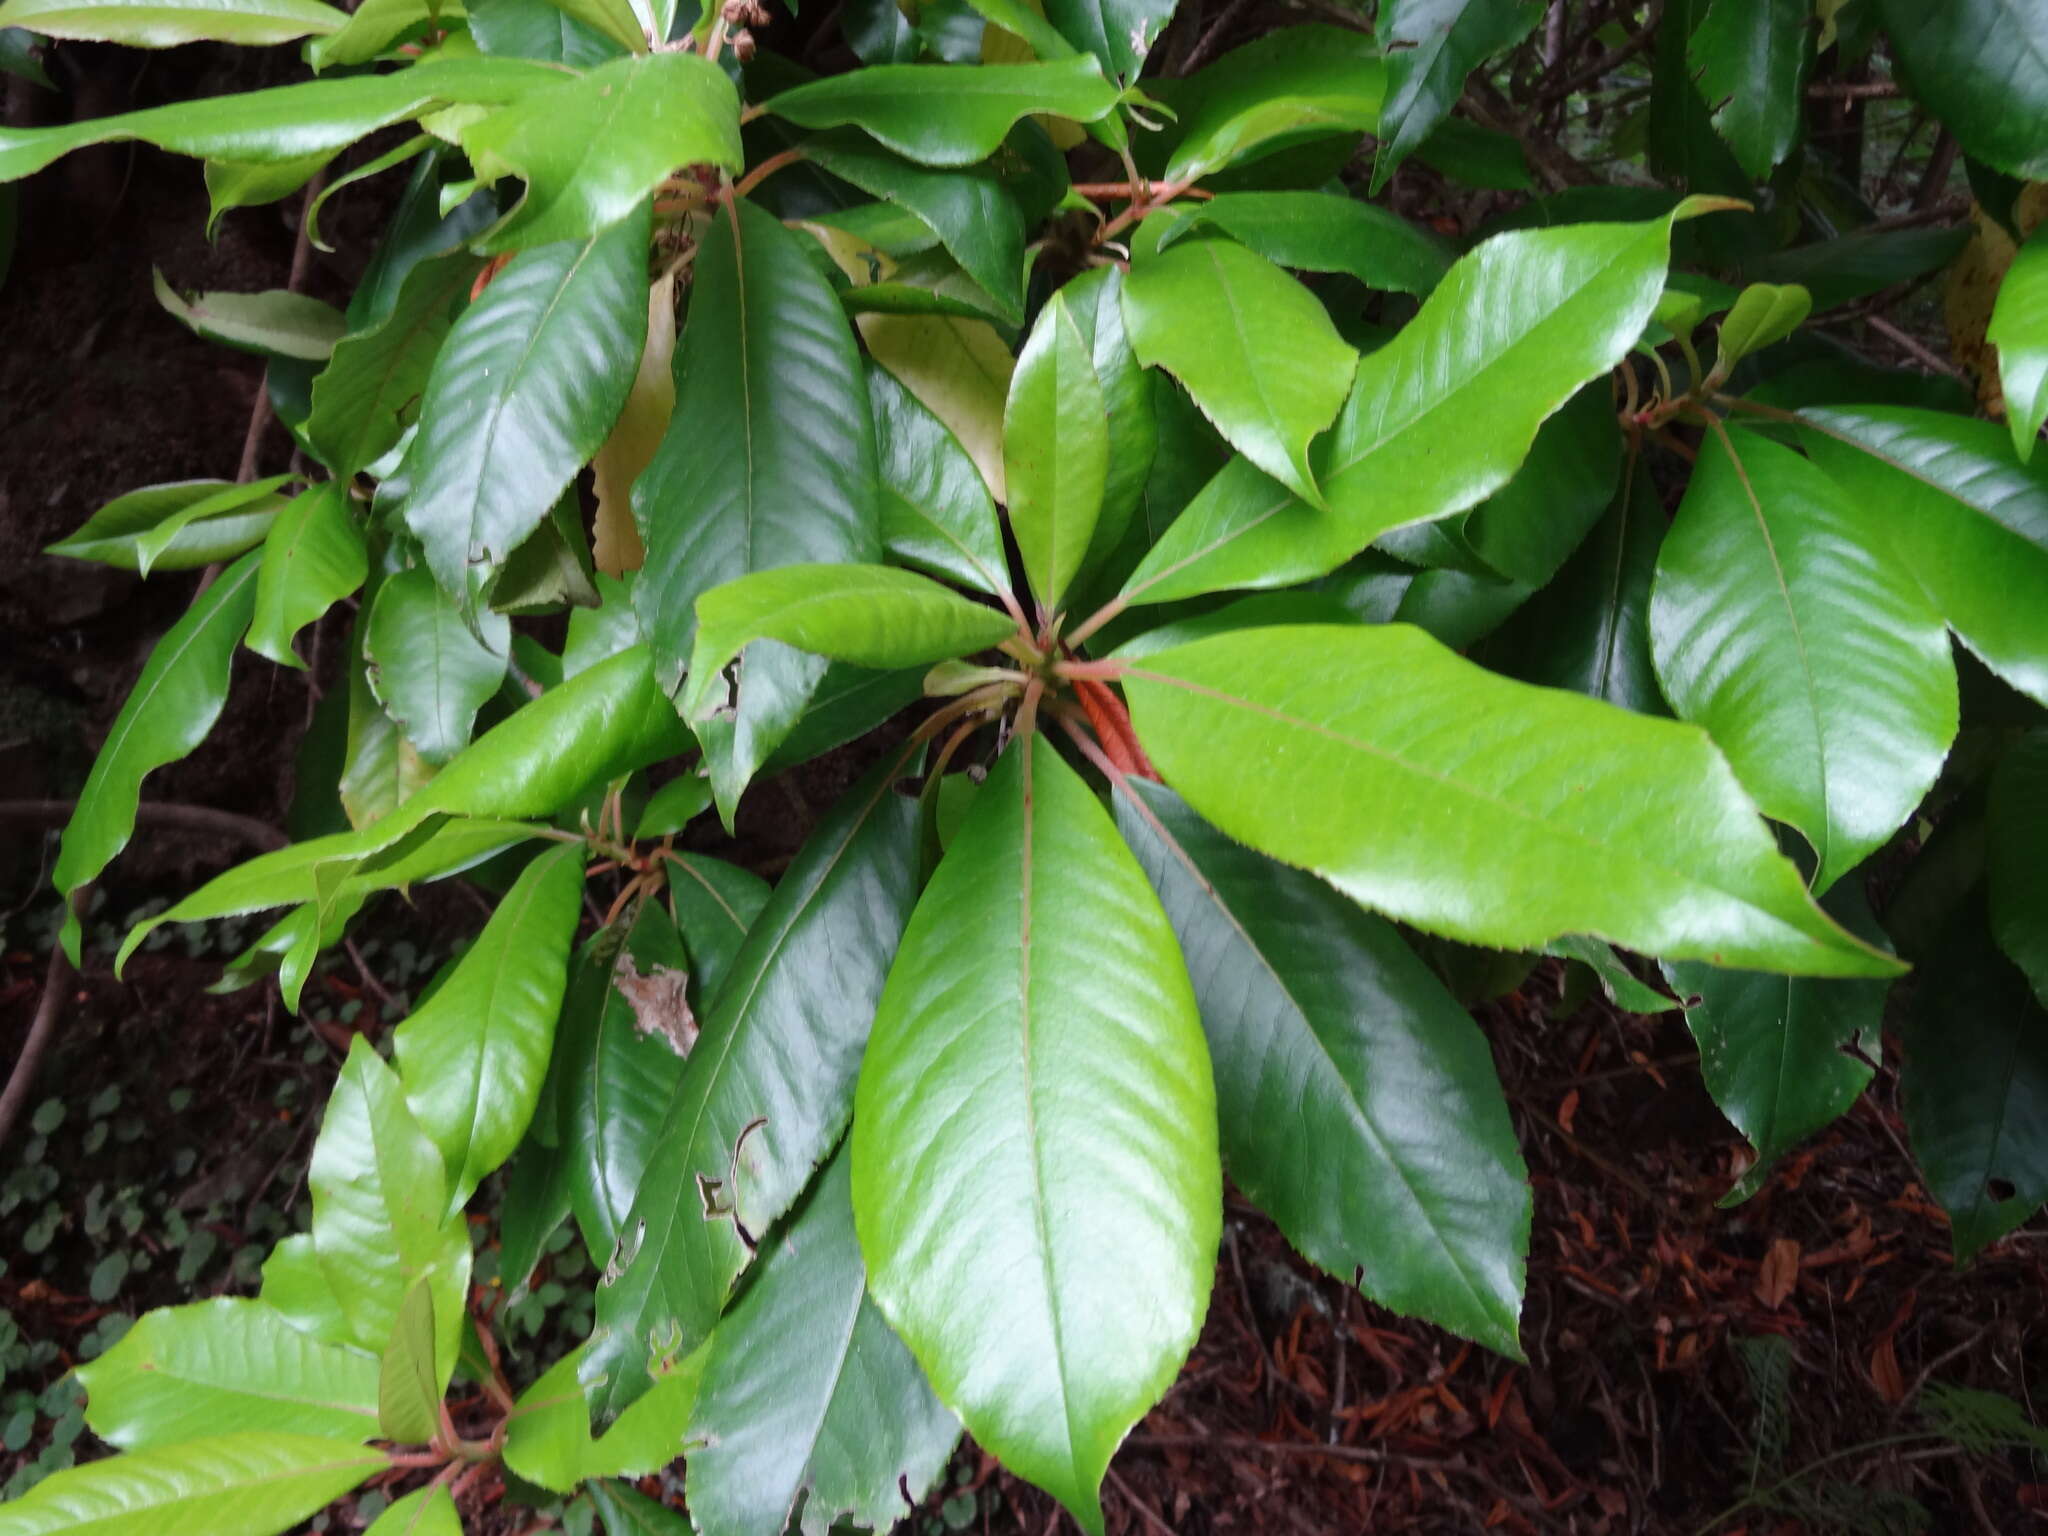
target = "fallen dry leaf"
x: 1779, y: 1273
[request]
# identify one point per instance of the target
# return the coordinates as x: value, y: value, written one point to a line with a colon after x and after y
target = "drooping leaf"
x: 807, y: 1394
x: 959, y: 370
x: 1751, y: 59
x: 1357, y: 1099
x: 379, y: 1211
x: 1289, y: 87
x: 2017, y: 856
x: 274, y: 324
x: 1118, y: 32
x: 176, y: 527
x: 427, y: 1511
x: 168, y: 23
x: 408, y: 1393
x: 521, y: 394
x: 313, y: 557
x: 1813, y: 659
x: 1623, y: 987
x: 870, y: 615
x: 2019, y: 329
x: 1981, y: 66
x: 250, y: 1484
x: 226, y: 1365
x: 1431, y: 46
x: 948, y: 114
x: 1485, y: 810
x: 782, y: 1043
x: 1961, y: 515
x: 1055, y: 452
x: 429, y: 669
x: 473, y: 1055
x: 1517, y: 327
x: 371, y: 28
x: 1037, y: 1097
x: 626, y: 1512
x: 592, y: 148
x: 1321, y: 232
x: 168, y: 712
x: 935, y: 507
x: 1253, y: 347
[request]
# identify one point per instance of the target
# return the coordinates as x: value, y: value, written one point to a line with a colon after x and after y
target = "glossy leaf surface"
x: 1981, y: 66
x: 959, y: 370
x: 1055, y: 452
x: 207, y: 521
x: 313, y: 557
x: 1431, y: 46
x: 1319, y: 232
x: 2017, y: 856
x: 167, y: 23
x: 429, y: 669
x: 1289, y: 87
x: 408, y: 1395
x: 274, y: 324
x: 936, y: 511
x: 2019, y: 329
x: 1037, y: 1095
x: 1750, y: 58
x: 426, y: 1512
x: 1485, y: 810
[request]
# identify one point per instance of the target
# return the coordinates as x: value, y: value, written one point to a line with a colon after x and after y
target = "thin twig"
x: 1915, y: 349
x: 1853, y: 90
x: 49, y: 1007
x: 161, y: 813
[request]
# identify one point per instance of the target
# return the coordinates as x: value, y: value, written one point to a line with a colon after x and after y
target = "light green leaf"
x: 1253, y: 347
x: 548, y: 1440
x: 2019, y: 329
x: 1981, y: 66
x: 870, y: 615
x: 1481, y: 809
x: 936, y: 510
x: 1320, y: 232
x: 949, y: 114
x: 177, y: 527
x: 615, y: 19
x: 2017, y: 855
x: 1750, y: 59
x: 296, y: 1288
x: 673, y: 807
x: 1763, y: 314
x: 1623, y: 987
x: 167, y: 23
x: 372, y: 28
x: 425, y: 1512
x: 1291, y: 86
x: 250, y: 1484
x: 313, y: 557
x: 1813, y: 659
x: 1358, y: 1102
x: 521, y: 395
x: 274, y: 324
x: 225, y: 1365
x: 1037, y: 1098
x: 959, y: 370
x: 1961, y: 515
x: 169, y: 712
x: 1513, y: 332
x: 1431, y: 46
x: 783, y: 1039
x: 591, y: 149
x: 408, y: 1395
x: 808, y: 1395
x: 1055, y: 452
x: 473, y: 1055
x: 379, y: 1203
x: 1095, y: 300
x: 427, y: 665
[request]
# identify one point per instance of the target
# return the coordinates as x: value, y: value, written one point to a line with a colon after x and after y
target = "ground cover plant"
x: 1277, y: 606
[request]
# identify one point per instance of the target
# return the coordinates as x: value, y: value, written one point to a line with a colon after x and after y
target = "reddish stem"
x: 1113, y: 728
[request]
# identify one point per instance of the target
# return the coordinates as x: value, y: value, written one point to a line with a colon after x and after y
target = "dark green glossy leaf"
x: 534, y: 1205
x: 176, y: 527
x: 936, y: 512
x: 1751, y: 58
x: 1321, y: 232
x: 958, y: 369
x: 313, y: 557
x: 1118, y: 32
x: 538, y: 29
x: 429, y: 669
x: 2017, y: 850
x: 1358, y: 1101
x: 1981, y: 66
x: 1431, y: 46
x: 1474, y: 807
x: 807, y: 1394
x: 1527, y: 529
x: 1860, y: 263
x: 1095, y: 300
x: 1290, y: 87
x: 167, y: 23
x: 626, y: 1512
x: 1055, y: 452
x: 1037, y: 1097
x: 2019, y: 329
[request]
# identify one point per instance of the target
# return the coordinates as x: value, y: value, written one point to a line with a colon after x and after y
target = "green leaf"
x: 935, y: 508
x: 538, y: 29
x: 548, y: 1440
x: 408, y: 1395
x: 534, y: 1205
x: 1961, y: 515
x: 167, y: 23
x: 428, y: 666
x: 1814, y: 661
x: 2017, y: 855
x: 1528, y: 528
x: 808, y: 1395
x: 168, y: 712
x: 616, y: 20
x: 2019, y: 329
x: 1474, y: 807
x: 1320, y: 232
x: 715, y: 905
x: 948, y: 114
x: 177, y: 527
x: 870, y: 615
x: 783, y: 1039
x: 249, y: 1484
x: 1037, y: 1097
x: 380, y: 1196
x: 473, y: 1055
x: 274, y: 324
x: 959, y: 370
x: 313, y: 557
x: 1513, y: 332
x: 521, y: 395
x: 591, y: 149
x: 296, y: 1288
x: 226, y: 1365
x: 1255, y: 349
x: 1358, y: 1101
x: 1431, y: 46
x: 1291, y: 86
x: 1776, y: 1050
x: 372, y: 28
x: 1975, y: 1084
x: 425, y: 1512
x: 616, y: 1078
x: 1860, y: 263
x: 1055, y: 452
x: 629, y: 1513
x: 1095, y: 300
x: 288, y: 123
x: 1981, y: 66
x: 673, y: 807
x: 1118, y: 32
x: 1750, y: 58
x: 370, y: 389
x: 770, y: 462
x: 1765, y: 313
x: 1623, y: 988
x: 972, y: 213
